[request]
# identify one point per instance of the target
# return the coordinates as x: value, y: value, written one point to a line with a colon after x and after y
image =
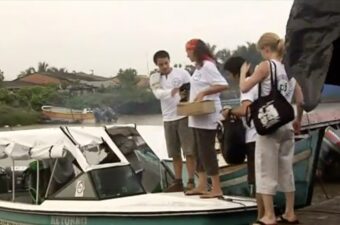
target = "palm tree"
x: 249, y: 52
x: 222, y: 55
x: 63, y: 70
x: 2, y: 77
x: 42, y: 67
x: 26, y: 72
x: 53, y: 70
x: 57, y: 70
x: 212, y: 48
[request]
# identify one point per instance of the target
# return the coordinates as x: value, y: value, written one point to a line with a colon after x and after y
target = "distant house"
x: 77, y: 83
x: 41, y: 79
x: 59, y: 78
x: 101, y: 84
x: 16, y: 85
x: 142, y: 81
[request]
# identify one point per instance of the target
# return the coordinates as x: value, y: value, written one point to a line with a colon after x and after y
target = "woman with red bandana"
x: 206, y: 83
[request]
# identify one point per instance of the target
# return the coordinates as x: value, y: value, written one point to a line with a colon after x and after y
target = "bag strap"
x: 273, y: 76
x: 259, y: 90
x: 248, y: 116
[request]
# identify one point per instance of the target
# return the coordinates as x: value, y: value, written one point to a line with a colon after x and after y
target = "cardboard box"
x: 195, y: 108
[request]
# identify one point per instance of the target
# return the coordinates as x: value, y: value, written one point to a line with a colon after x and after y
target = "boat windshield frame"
x: 95, y: 181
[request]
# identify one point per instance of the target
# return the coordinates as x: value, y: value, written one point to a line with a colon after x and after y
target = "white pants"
x: 274, y: 161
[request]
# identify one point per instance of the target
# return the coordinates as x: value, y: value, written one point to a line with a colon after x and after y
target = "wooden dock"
x: 323, y: 213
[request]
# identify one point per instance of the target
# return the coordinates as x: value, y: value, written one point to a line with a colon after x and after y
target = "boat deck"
x: 327, y: 212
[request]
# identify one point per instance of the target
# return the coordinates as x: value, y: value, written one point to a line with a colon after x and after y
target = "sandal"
x: 259, y: 222
x: 282, y: 220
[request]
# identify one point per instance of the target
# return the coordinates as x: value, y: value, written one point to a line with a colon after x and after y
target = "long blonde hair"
x: 273, y: 41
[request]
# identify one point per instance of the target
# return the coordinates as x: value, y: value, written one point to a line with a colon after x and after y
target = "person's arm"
x: 210, y: 91
x: 239, y: 111
x: 260, y: 73
x: 158, y: 91
x: 298, y: 96
x: 164, y: 93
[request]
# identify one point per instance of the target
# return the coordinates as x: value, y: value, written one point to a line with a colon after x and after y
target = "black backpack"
x: 231, y: 134
x: 272, y: 111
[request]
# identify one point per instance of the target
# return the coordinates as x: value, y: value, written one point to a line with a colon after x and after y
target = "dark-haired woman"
x: 206, y: 84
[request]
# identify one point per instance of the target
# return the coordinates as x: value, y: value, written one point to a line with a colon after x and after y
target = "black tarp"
x: 313, y: 46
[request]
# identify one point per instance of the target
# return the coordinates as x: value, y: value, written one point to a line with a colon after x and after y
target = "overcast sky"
x: 107, y: 35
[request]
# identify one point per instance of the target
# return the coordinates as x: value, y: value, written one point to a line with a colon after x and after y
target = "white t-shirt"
x: 251, y: 96
x: 202, y: 79
x: 285, y: 85
x: 162, y: 85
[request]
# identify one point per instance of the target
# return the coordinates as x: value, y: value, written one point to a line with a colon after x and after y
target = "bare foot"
x: 212, y: 194
x: 196, y: 191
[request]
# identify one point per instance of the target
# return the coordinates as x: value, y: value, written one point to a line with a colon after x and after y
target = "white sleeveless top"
x: 285, y: 85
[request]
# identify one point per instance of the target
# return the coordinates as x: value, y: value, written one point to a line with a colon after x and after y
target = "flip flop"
x: 282, y: 220
x: 210, y: 195
x: 259, y: 222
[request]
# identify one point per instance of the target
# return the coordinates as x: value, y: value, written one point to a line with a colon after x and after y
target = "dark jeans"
x: 205, y: 151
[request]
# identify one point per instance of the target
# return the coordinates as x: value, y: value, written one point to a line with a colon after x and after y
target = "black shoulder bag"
x: 232, y: 139
x: 272, y: 111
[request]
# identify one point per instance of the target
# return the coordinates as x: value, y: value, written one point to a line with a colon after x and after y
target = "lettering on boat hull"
x: 68, y: 220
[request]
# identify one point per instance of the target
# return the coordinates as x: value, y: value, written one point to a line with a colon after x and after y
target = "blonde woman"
x: 274, y: 152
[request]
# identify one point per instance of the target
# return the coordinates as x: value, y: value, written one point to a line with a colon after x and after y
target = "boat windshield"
x: 153, y: 174
x: 99, y: 154
x: 114, y: 182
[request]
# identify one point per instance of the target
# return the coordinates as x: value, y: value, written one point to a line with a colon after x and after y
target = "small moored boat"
x: 61, y: 114
x: 104, y: 187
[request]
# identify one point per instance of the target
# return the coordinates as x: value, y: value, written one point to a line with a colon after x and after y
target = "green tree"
x: 35, y: 97
x: 127, y: 77
x: 249, y: 52
x: 42, y: 67
x: 58, y: 70
x: 2, y: 77
x: 222, y: 55
x: 26, y: 72
x: 6, y: 97
x: 212, y: 48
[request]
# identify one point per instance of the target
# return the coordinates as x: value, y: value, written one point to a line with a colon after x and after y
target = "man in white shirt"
x: 165, y: 85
